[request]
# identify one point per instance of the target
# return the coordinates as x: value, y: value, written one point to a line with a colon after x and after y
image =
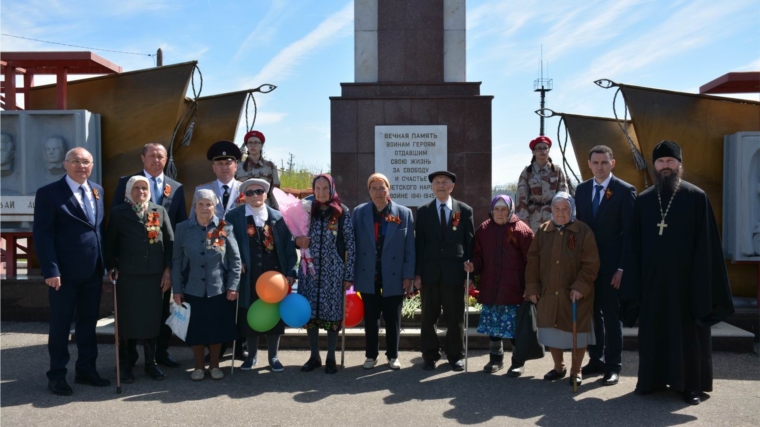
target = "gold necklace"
x: 662, y: 224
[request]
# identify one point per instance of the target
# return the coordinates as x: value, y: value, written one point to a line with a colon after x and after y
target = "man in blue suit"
x: 68, y: 228
x: 384, y: 267
x: 170, y: 194
x: 605, y: 203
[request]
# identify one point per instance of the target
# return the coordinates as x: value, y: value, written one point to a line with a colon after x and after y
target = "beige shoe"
x: 394, y: 364
x: 369, y: 363
x: 198, y: 375
x: 217, y: 374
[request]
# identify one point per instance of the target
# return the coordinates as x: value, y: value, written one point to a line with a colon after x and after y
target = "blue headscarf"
x: 563, y: 195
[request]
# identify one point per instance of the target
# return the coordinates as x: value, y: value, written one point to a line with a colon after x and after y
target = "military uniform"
x: 263, y: 169
x: 535, y: 189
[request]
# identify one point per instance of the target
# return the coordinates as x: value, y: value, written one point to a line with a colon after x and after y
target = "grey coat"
x: 127, y: 246
x: 284, y: 245
x: 203, y: 272
x: 398, y: 250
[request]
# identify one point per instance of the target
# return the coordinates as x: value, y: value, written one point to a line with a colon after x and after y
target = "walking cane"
x: 575, y: 344
x: 116, y: 338
x: 343, y: 332
x: 466, y: 317
x: 237, y: 305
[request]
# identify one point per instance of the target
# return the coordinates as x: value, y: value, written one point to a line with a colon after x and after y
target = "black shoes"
x: 495, y: 364
x: 312, y: 364
x: 126, y: 375
x: 593, y: 367
x: 60, y: 388
x: 330, y: 366
x: 515, y: 371
x: 457, y: 365
x: 553, y: 375
x: 578, y: 379
x: 610, y: 378
x: 429, y: 365
x: 91, y: 379
x: 691, y: 397
x: 154, y: 372
x: 167, y: 361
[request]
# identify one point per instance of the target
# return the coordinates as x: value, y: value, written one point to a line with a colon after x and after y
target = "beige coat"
x: 558, y: 262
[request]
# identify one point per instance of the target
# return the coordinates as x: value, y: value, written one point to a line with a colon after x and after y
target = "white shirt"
x: 87, y: 192
x: 260, y: 215
x: 159, y: 182
x: 604, y: 185
x: 447, y: 209
x: 233, y: 196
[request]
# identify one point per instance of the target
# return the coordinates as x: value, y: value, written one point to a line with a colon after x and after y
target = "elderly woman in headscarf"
x: 500, y: 256
x: 563, y: 263
x: 205, y: 274
x: 331, y: 243
x: 254, y: 165
x: 138, y: 251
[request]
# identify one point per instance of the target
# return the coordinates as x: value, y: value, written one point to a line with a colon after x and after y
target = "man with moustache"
x: 170, y: 194
x: 68, y: 236
x: 444, y: 240
x: 605, y: 203
x: 678, y: 275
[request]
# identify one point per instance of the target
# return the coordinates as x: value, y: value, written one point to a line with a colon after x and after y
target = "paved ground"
x: 355, y: 397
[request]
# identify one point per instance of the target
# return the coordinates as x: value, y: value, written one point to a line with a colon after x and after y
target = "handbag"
x: 179, y: 319
x: 527, y: 346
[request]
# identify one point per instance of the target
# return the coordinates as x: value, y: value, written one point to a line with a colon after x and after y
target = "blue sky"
x: 305, y: 47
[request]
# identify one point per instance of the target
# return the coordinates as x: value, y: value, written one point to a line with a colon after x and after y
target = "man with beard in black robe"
x: 678, y: 275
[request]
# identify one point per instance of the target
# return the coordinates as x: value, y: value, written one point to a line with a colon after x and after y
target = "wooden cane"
x: 343, y: 329
x: 575, y: 344
x: 116, y: 337
x: 466, y: 318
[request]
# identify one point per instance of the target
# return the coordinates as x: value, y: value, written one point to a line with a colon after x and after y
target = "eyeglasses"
x: 80, y: 163
x: 541, y: 149
x: 254, y: 143
x: 258, y: 192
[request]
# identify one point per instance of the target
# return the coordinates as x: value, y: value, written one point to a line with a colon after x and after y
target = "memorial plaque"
x: 407, y: 155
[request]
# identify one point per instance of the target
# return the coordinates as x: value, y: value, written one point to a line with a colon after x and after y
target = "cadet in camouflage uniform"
x: 538, y: 183
x: 254, y: 165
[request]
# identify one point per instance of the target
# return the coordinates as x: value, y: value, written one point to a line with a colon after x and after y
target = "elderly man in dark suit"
x: 169, y: 194
x: 68, y: 229
x: 445, y: 233
x: 605, y: 203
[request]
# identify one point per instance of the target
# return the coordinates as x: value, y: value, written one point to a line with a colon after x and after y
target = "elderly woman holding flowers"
x: 500, y: 256
x: 138, y: 250
x: 205, y: 274
x: 563, y: 263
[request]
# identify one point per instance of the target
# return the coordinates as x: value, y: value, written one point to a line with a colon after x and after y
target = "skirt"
x: 139, y: 297
x: 212, y: 320
x: 556, y: 338
x: 498, y: 320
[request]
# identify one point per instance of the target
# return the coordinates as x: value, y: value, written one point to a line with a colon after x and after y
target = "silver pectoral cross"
x: 662, y: 226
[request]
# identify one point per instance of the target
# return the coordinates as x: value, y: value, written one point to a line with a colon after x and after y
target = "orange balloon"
x: 272, y: 287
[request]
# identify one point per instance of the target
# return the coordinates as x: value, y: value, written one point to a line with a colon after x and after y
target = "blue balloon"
x: 295, y: 310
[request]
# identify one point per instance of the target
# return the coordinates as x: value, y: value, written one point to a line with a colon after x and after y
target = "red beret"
x: 255, y: 133
x: 542, y: 138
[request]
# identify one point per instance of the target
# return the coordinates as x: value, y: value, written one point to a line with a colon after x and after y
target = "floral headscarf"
x: 138, y: 208
x: 564, y: 195
x: 509, y: 202
x: 334, y: 201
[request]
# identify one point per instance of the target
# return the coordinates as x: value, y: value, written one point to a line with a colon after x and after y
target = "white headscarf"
x: 141, y: 207
x: 564, y: 195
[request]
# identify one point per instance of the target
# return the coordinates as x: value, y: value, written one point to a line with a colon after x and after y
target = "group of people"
x: 600, y: 251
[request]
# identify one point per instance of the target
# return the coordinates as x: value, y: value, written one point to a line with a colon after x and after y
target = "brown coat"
x: 558, y: 262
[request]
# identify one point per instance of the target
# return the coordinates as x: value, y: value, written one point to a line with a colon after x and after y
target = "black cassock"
x: 679, y: 278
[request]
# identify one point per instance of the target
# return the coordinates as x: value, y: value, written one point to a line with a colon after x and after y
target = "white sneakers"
x: 217, y: 374
x: 394, y: 364
x: 369, y: 363
x: 197, y: 374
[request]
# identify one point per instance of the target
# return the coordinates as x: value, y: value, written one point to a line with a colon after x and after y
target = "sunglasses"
x: 258, y: 192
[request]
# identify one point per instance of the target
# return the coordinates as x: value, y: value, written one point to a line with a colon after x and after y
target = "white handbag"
x: 179, y: 319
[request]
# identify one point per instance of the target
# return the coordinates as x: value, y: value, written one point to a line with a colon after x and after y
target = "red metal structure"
x: 29, y: 64
x: 748, y: 82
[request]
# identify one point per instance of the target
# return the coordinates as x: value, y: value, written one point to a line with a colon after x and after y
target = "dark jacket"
x: 612, y: 225
x: 500, y: 256
x: 441, y: 259
x: 174, y: 204
x: 128, y: 248
x: 284, y: 246
x: 67, y: 244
